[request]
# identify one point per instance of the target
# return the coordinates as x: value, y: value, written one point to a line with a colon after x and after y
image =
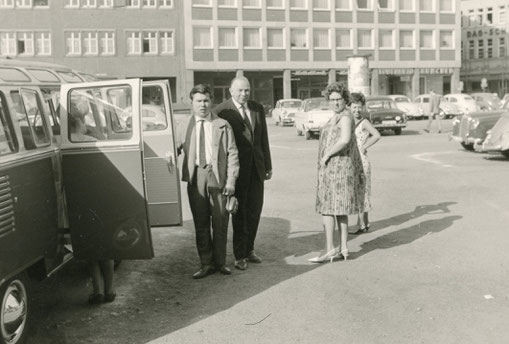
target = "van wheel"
x: 397, y: 131
x: 15, y: 310
x: 506, y: 153
x: 468, y: 146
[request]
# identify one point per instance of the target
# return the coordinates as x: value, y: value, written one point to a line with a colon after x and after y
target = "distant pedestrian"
x: 434, y: 108
x: 366, y: 135
x: 247, y: 119
x: 210, y: 167
x: 340, y: 189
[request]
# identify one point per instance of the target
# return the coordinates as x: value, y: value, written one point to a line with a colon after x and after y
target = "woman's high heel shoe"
x: 329, y: 256
x: 341, y: 253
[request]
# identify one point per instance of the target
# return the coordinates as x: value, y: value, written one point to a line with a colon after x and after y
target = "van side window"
x: 153, y: 109
x: 7, y: 142
x: 100, y: 114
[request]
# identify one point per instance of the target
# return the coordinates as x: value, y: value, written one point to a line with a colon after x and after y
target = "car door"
x: 162, y: 175
x: 103, y: 170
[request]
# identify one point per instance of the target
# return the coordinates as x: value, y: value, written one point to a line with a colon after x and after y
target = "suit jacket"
x: 225, y: 160
x: 434, y: 103
x: 252, y: 148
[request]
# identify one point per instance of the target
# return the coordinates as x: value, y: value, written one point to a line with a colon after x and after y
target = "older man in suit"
x: 434, y: 108
x: 210, y: 167
x: 247, y: 119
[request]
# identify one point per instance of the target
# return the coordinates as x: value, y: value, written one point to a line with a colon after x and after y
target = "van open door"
x: 103, y: 169
x: 162, y: 177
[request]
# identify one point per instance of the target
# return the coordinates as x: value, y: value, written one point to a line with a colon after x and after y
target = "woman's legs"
x: 95, y: 273
x: 343, y: 231
x: 107, y: 273
x: 328, y: 226
x: 365, y: 219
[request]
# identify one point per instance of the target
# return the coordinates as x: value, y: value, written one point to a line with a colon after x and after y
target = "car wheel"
x: 468, y: 146
x: 506, y: 153
x: 15, y: 310
x: 397, y: 131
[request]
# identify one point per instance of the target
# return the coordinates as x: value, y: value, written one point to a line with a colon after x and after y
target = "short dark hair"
x: 201, y: 88
x: 357, y: 97
x: 339, y: 88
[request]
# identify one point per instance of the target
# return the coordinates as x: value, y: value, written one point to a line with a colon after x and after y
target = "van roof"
x: 5, y: 62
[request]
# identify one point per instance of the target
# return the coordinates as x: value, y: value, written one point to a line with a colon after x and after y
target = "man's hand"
x: 268, y: 175
x: 229, y: 190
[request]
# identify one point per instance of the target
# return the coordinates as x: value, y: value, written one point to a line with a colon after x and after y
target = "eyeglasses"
x: 335, y: 99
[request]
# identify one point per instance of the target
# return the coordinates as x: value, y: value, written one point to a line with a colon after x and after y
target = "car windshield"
x: 402, y: 100
x: 468, y: 98
x: 316, y: 104
x: 291, y: 104
x: 380, y: 104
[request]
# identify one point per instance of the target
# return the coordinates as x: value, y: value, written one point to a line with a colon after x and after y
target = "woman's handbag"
x: 232, y: 204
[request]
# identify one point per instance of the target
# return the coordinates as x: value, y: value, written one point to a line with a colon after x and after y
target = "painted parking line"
x: 431, y: 157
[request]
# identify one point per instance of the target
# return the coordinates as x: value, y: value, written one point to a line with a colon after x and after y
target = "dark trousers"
x: 208, y: 206
x: 245, y: 221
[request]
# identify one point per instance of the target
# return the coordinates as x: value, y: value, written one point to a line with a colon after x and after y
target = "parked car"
x: 487, y: 101
x: 464, y: 102
x: 505, y: 99
x: 312, y: 115
x: 471, y: 129
x: 447, y: 109
x: 497, y: 138
x: 383, y: 112
x: 284, y: 111
x: 411, y: 110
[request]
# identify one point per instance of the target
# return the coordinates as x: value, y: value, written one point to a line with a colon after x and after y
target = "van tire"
x: 468, y: 146
x: 505, y: 153
x: 16, y: 292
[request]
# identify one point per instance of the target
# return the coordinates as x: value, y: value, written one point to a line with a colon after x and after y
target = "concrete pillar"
x: 416, y: 82
x: 358, y: 74
x: 239, y: 73
x: 332, y: 76
x: 455, y: 81
x: 375, y: 82
x: 287, y: 84
x: 186, y: 87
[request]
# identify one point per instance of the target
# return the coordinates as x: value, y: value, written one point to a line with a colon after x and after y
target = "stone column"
x: 375, y: 82
x: 287, y: 84
x: 358, y: 74
x: 455, y: 81
x: 416, y: 82
x: 332, y: 76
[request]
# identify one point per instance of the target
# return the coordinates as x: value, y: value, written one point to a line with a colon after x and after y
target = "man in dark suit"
x: 210, y: 167
x: 247, y: 119
x: 434, y: 109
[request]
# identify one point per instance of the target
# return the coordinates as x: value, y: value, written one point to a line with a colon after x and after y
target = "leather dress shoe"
x: 241, y: 264
x: 203, y: 272
x: 253, y: 258
x: 224, y: 270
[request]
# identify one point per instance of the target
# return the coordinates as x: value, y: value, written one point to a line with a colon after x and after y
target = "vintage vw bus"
x: 83, y: 193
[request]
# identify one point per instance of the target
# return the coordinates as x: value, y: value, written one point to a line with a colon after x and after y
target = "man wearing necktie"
x: 210, y: 167
x: 247, y: 119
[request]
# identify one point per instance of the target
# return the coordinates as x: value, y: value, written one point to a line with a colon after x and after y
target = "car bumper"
x: 389, y: 126
x: 285, y: 121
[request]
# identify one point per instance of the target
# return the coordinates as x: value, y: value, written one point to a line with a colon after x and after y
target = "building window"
x: 275, y: 4
x: 343, y: 39
x: 426, y: 5
x: 502, y: 15
x: 365, y: 39
x: 298, y: 4
x: 6, y: 3
x: 73, y: 43
x: 150, y: 42
x: 227, y: 37
x: 480, y: 49
x: 501, y: 47
x: 275, y: 38
x: 480, y: 16
x: 364, y: 4
x: 252, y: 38
x: 41, y: 3
x: 471, y: 18
x: 25, y: 43
x: 406, y: 39
x: 89, y: 3
x: 72, y: 3
x: 149, y: 3
x: 202, y: 37
x: 133, y: 3
x: 167, y: 42
x: 202, y: 3
x: 105, y: 3
x: 24, y: 3
x: 446, y: 39
x: 446, y: 5
x: 489, y: 15
x: 90, y: 43
x: 227, y: 3
x: 343, y: 4
x: 298, y: 38
x: 471, y: 49
x: 134, y: 43
x: 407, y: 6
x: 321, y: 5
x: 385, y: 5
x: 489, y: 48
x: 165, y: 3
x: 426, y: 38
x: 107, y: 43
x: 43, y: 43
x: 386, y: 39
x: 251, y: 3
x: 8, y: 43
x: 321, y: 38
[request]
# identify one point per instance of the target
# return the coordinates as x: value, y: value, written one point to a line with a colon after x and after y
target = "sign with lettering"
x: 478, y: 33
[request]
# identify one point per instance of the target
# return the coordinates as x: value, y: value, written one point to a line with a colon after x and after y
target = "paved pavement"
x: 432, y: 270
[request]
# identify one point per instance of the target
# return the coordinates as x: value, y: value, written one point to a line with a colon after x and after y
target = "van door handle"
x: 170, y: 160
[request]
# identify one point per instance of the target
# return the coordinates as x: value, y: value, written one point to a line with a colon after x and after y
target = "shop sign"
x: 486, y: 32
x: 396, y: 71
x: 310, y: 72
x: 436, y: 70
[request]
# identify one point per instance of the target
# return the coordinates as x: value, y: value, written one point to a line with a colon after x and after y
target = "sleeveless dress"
x: 362, y: 135
x: 340, y: 189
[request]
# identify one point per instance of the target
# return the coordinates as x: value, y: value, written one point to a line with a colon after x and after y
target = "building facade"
x: 106, y: 38
x: 484, y: 40
x: 293, y: 48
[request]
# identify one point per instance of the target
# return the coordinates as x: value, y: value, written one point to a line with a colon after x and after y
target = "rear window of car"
x: 43, y: 75
x: 291, y: 104
x: 70, y: 76
x: 13, y: 74
x: 468, y: 98
x: 380, y: 104
x: 320, y: 104
x: 401, y: 100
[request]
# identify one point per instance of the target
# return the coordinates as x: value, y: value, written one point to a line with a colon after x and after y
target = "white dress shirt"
x: 246, y: 111
x: 207, y: 123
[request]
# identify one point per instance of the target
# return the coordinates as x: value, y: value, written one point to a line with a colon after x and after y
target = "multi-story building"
x: 484, y: 42
x: 293, y: 48
x: 108, y: 38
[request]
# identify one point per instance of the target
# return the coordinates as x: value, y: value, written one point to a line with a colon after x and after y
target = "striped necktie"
x: 202, y: 156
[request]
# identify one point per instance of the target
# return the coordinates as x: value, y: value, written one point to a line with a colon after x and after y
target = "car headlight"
x: 398, y: 118
x: 421, y: 111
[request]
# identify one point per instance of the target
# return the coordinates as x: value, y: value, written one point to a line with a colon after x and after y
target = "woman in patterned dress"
x: 340, y: 190
x: 367, y: 136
